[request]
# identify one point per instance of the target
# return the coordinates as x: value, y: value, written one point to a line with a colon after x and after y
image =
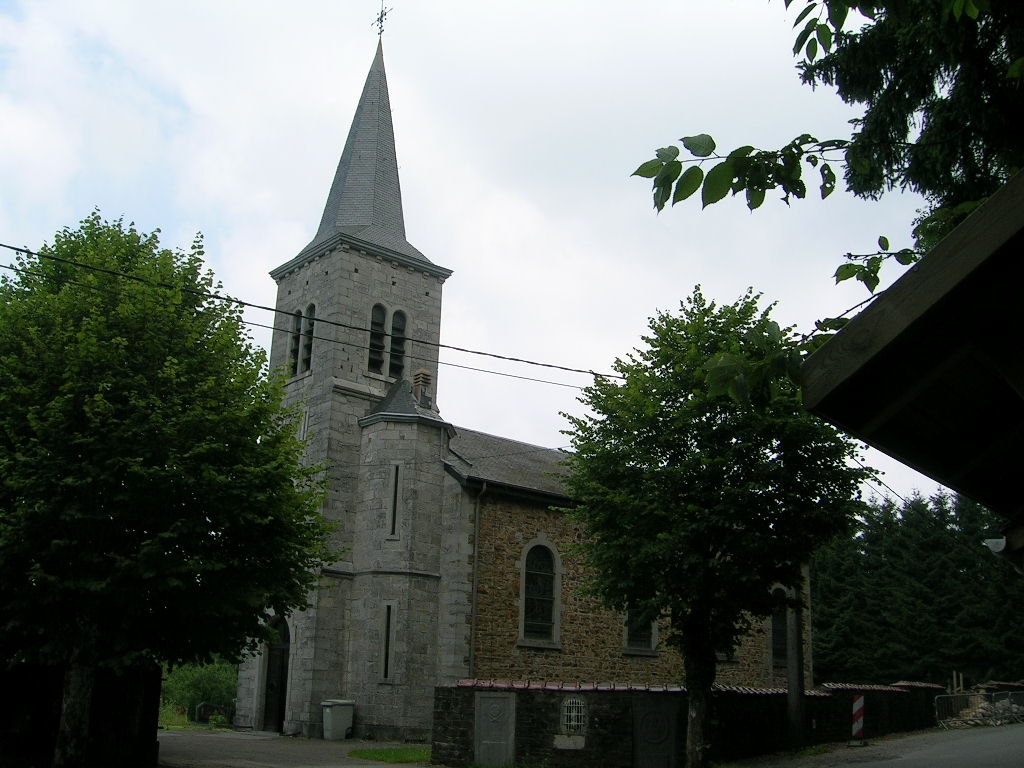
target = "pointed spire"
x: 365, y: 201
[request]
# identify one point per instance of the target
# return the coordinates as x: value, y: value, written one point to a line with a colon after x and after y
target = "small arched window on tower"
x: 397, y: 363
x: 376, y: 360
x: 307, y: 339
x: 294, y: 344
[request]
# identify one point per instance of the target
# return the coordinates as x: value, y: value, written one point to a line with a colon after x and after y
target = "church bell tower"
x: 358, y: 316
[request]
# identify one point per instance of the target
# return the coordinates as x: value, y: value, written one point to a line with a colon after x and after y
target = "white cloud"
x: 518, y: 124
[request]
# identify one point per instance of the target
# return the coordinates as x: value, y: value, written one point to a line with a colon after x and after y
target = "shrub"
x: 189, y: 685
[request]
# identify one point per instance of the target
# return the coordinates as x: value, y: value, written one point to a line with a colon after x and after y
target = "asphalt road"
x: 980, y: 747
x: 997, y: 747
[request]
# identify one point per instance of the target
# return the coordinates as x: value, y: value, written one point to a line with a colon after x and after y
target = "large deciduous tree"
x: 154, y: 506
x: 696, y: 501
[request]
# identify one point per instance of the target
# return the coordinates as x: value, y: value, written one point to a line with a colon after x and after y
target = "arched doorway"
x: 275, y: 692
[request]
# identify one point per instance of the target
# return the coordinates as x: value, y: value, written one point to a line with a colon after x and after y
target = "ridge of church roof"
x: 365, y: 199
x: 510, y: 463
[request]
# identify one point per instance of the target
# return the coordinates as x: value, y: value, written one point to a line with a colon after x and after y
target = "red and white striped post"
x: 857, y: 736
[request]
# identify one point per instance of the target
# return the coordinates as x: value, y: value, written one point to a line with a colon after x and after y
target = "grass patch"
x: 394, y: 754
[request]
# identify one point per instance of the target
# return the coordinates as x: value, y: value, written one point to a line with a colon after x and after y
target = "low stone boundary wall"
x: 744, y: 722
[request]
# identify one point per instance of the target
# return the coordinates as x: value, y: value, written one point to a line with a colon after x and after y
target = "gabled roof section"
x: 515, y: 467
x: 400, y: 404
x: 364, y: 205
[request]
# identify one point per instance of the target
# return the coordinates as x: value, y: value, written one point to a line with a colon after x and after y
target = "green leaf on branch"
x: 883, y: 242
x: 846, y: 271
x: 837, y: 15
x: 812, y: 49
x: 700, y: 145
x: 754, y: 198
x: 828, y: 181
x: 803, y: 14
x: 667, y: 154
x: 824, y: 35
x: 688, y: 183
x: 649, y: 169
x: 869, y: 277
x: 717, y: 183
x: 906, y: 257
x: 805, y: 33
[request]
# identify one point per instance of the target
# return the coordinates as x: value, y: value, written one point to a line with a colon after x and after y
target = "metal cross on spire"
x: 381, y: 18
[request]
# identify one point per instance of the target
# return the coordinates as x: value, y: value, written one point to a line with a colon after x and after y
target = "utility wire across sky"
x: 262, y: 307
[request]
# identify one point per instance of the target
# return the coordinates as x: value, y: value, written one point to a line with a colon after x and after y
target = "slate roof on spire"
x: 364, y: 206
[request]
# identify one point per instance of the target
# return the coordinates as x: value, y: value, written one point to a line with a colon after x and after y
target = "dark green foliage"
x: 696, y: 498
x: 189, y: 685
x: 942, y: 115
x: 153, y: 502
x: 915, y: 595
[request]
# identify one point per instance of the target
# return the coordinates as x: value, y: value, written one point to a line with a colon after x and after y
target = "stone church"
x: 453, y: 564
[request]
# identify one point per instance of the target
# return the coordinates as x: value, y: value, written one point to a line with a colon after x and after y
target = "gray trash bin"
x: 338, y: 714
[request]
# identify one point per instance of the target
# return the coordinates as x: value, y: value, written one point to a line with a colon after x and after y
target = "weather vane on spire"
x: 381, y: 17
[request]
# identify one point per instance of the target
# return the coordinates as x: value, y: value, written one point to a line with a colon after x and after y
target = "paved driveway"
x: 1001, y: 747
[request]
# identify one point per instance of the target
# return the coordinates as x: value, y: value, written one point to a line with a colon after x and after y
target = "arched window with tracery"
x: 540, y: 595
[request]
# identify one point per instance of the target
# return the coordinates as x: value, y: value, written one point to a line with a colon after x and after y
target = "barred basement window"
x: 574, y: 715
x: 376, y: 359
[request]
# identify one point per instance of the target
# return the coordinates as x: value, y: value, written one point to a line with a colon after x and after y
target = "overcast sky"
x: 517, y: 126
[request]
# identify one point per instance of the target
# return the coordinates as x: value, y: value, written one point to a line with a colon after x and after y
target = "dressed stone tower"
x: 357, y: 331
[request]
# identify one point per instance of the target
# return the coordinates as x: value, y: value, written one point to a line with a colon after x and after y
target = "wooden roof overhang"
x: 932, y: 372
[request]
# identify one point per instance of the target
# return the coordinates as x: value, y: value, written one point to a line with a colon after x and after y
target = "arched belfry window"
x: 307, y: 339
x: 397, y: 363
x: 540, y: 595
x: 294, y: 344
x: 377, y: 332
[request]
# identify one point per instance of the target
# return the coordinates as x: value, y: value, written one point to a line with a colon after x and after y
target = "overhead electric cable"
x: 262, y: 307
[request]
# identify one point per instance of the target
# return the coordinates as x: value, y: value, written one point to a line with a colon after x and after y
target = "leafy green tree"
x: 696, y: 503
x: 914, y: 595
x: 154, y: 506
x: 941, y: 85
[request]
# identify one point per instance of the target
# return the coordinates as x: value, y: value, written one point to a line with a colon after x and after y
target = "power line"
x: 346, y: 326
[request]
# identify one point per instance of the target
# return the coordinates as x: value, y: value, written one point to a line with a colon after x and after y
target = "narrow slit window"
x: 396, y: 484
x: 388, y: 610
x: 377, y: 333
x: 293, y: 348
x: 307, y: 338
x: 397, y: 363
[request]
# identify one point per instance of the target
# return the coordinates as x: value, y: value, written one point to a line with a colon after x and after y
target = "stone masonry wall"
x: 592, y: 637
